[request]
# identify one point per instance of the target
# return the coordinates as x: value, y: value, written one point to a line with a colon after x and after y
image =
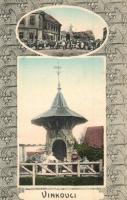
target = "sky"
x: 83, y: 86
x: 80, y: 19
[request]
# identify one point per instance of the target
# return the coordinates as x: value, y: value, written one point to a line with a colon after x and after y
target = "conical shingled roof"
x: 59, y: 115
x: 59, y: 101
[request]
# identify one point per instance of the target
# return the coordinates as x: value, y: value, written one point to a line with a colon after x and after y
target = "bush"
x: 92, y: 154
x: 63, y: 180
x: 25, y: 181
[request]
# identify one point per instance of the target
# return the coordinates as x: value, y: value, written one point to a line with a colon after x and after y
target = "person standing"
x: 64, y: 44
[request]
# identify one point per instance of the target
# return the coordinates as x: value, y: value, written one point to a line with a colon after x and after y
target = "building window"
x: 32, y: 20
x: 22, y: 21
x: 52, y: 27
x: 48, y: 26
x: 45, y: 26
x: 31, y: 36
x: 21, y: 36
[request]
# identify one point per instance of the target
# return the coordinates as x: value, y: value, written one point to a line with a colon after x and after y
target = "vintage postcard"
x: 61, y: 142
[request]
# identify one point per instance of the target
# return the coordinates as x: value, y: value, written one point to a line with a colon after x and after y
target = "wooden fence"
x: 60, y: 169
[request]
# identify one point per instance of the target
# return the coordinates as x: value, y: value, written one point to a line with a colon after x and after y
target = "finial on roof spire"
x: 58, y: 74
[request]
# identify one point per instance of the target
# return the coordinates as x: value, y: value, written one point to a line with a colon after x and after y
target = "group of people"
x: 64, y: 44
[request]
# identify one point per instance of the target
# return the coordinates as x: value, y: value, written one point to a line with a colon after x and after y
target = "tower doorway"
x: 59, y: 149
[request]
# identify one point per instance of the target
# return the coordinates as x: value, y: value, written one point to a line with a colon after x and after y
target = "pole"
x: 34, y: 175
x: 78, y: 166
x: 57, y: 171
x: 100, y: 167
x: 23, y: 154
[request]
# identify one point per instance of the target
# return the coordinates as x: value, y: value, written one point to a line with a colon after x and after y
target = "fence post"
x: 34, y: 174
x: 100, y: 167
x: 78, y: 168
x: 57, y: 171
x: 23, y: 154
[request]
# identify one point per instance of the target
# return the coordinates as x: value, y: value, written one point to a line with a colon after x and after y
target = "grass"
x: 63, y: 180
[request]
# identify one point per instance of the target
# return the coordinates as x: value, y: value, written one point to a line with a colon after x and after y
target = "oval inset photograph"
x: 62, y: 31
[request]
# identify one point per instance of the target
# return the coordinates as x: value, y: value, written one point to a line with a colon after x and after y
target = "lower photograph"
x: 61, y: 121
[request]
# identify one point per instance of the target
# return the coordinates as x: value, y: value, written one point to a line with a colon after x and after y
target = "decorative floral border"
x: 115, y: 14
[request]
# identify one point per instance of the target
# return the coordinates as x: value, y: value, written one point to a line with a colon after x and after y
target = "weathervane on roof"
x: 58, y: 67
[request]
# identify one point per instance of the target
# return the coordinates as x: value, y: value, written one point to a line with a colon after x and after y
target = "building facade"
x: 39, y: 26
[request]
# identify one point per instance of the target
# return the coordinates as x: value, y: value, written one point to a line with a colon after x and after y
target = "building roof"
x: 94, y: 136
x: 59, y: 115
x: 49, y: 18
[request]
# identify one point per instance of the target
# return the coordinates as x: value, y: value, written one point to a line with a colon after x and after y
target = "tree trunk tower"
x: 59, y: 121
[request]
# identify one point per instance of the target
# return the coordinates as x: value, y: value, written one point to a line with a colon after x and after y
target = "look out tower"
x: 59, y: 121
